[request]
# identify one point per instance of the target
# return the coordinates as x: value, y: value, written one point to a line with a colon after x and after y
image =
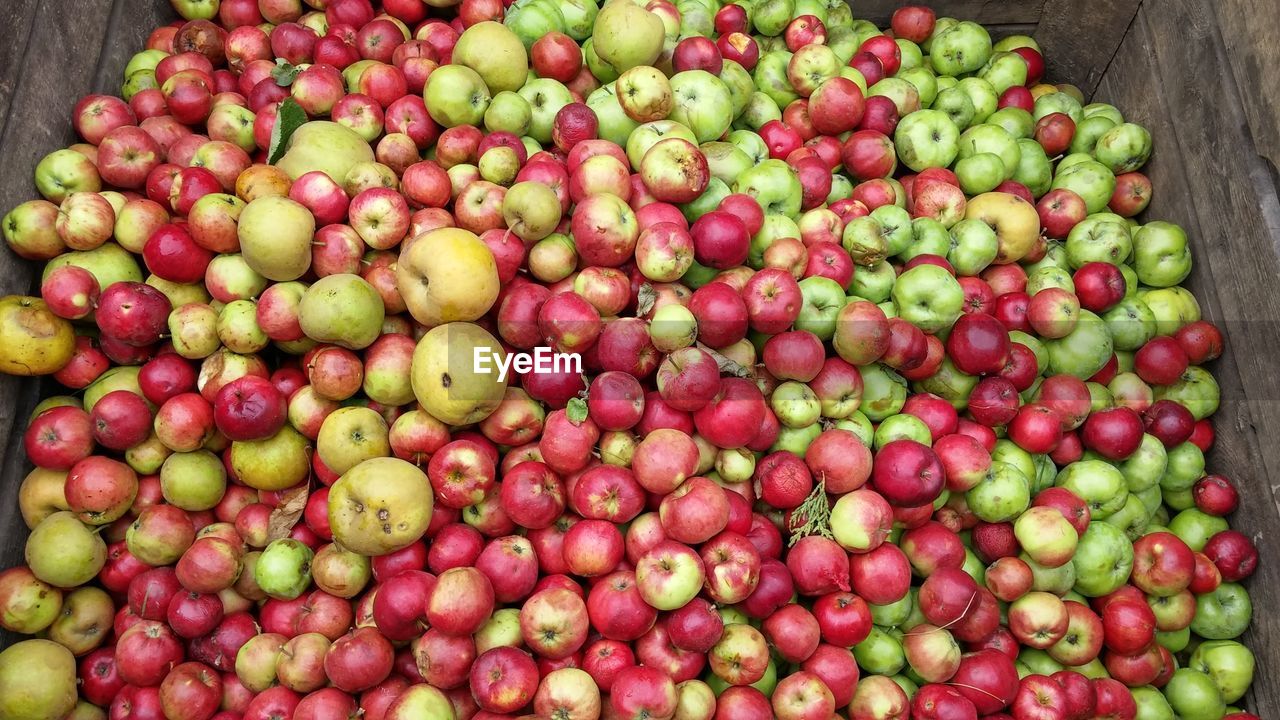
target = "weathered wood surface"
x: 987, y: 12
x: 1252, y: 40
x: 1173, y: 75
x: 61, y: 52
x: 1079, y: 39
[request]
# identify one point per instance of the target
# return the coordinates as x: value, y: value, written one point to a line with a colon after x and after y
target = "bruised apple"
x: 380, y: 506
x: 449, y: 378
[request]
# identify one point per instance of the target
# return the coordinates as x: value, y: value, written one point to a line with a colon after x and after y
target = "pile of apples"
x: 652, y: 360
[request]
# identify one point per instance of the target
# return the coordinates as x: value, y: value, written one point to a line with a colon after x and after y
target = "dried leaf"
x: 726, y: 365
x: 287, y: 513
x: 645, y: 299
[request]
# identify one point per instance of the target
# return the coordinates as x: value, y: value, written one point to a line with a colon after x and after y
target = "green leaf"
x: 289, y: 118
x: 576, y: 410
x: 284, y: 73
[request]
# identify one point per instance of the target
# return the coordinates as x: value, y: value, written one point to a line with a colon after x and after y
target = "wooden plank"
x: 56, y: 70
x: 17, y: 17
x: 1252, y: 41
x: 1201, y: 134
x: 986, y: 12
x: 1078, y: 44
x: 131, y: 23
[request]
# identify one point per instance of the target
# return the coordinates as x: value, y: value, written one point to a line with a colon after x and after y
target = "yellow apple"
x: 447, y: 275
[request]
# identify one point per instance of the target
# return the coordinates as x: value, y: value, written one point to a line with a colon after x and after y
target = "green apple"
x: 614, y: 124
x: 1103, y: 559
x: 796, y: 440
x: 895, y: 224
x: 844, y: 41
x: 1058, y: 102
x: 545, y: 97
x: 1015, y: 121
x: 342, y: 309
x: 751, y: 143
x: 532, y: 19
x: 64, y: 552
x: 1004, y: 70
x: 874, y: 282
x: 774, y: 185
x: 760, y: 109
x: 1184, y: 465
x: 1230, y: 665
x: 1034, y: 168
x: 283, y: 570
x: 980, y: 173
x: 904, y: 95
x: 928, y: 297
x: 1105, y: 110
x: 696, y: 18
x: 108, y: 264
x: 715, y: 193
x: 1103, y: 237
x: 1001, y: 495
x: 1196, y: 527
x: 602, y: 70
x: 928, y: 237
x: 1084, y: 351
x: 38, y: 681
x: 1173, y: 307
x: 912, y: 56
x: 901, y: 427
x: 1144, y: 468
x: 881, y: 653
x: 961, y: 48
x: 1192, y: 695
x: 739, y: 83
x: 508, y: 112
x: 883, y: 392
x: 579, y: 17
x: 626, y: 35
x: 1196, y: 389
x: 770, y: 17
x: 927, y: 138
x: 973, y: 246
x: 1088, y: 131
x: 1131, y: 324
x: 956, y: 104
x: 726, y: 161
x: 771, y: 77
x: 495, y: 53
x: 1123, y: 148
x: 456, y: 95
x: 993, y: 139
x: 1096, y: 482
x: 1151, y: 704
x: 949, y: 384
x: 982, y: 95
x: 703, y: 103
x: 1161, y: 255
x: 924, y: 82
